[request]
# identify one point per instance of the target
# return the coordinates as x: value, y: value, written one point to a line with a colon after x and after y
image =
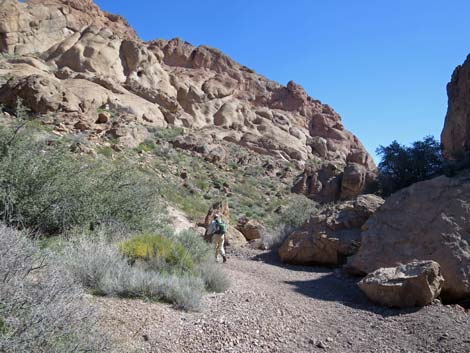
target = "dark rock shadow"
x: 342, y: 288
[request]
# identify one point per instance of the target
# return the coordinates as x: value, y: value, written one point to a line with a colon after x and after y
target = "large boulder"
x: 234, y: 237
x: 426, y: 221
x: 250, y: 228
x: 415, y: 284
x: 304, y: 248
x: 330, y: 235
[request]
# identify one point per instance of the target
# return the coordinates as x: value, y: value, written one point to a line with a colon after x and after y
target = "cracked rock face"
x: 82, y: 53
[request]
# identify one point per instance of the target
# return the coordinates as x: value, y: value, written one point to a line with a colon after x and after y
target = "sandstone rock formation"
x: 426, y: 221
x: 415, y: 284
x: 455, y: 136
x: 331, y: 235
x: 70, y: 59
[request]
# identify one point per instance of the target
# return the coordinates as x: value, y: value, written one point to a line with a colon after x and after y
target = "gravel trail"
x: 271, y: 307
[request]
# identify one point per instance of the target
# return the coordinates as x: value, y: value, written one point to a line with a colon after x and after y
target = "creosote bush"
x: 41, y: 308
x: 47, y: 188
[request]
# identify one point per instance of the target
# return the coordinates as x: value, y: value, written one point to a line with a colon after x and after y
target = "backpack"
x: 221, y: 227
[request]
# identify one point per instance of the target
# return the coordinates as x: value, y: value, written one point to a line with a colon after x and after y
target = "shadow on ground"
x: 334, y: 286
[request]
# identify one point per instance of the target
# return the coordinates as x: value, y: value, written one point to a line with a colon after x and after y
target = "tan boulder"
x: 234, y: 237
x: 304, y: 248
x: 414, y: 284
x: 354, y: 180
x: 426, y: 221
x: 250, y: 228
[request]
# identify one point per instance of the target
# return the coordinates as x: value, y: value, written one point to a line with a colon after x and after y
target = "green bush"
x: 159, y: 251
x: 45, y: 187
x: 402, y: 166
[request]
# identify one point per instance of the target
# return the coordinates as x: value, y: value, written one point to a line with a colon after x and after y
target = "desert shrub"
x: 402, y: 166
x: 158, y: 251
x: 41, y: 308
x: 213, y: 277
x: 272, y: 238
x: 294, y: 212
x: 100, y: 266
x: 166, y: 133
x: 45, y: 187
x: 194, y: 244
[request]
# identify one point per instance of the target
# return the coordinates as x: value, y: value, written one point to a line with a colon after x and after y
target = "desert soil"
x: 271, y: 307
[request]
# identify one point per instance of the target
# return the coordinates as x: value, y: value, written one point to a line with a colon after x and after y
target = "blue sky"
x: 382, y: 64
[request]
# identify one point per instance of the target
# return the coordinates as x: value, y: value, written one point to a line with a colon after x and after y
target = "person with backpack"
x: 217, y: 228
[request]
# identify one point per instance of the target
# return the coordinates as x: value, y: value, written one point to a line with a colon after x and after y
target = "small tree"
x: 402, y: 166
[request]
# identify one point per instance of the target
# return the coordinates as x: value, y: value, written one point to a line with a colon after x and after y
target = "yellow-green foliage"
x: 151, y: 247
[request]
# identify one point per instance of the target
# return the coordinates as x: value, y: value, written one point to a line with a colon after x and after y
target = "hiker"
x: 217, y: 228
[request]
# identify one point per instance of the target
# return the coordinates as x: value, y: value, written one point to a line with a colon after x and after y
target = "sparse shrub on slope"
x: 43, y: 186
x: 291, y: 215
x: 41, y: 308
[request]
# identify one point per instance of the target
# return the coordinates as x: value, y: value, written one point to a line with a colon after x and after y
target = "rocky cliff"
x: 455, y: 136
x: 76, y: 61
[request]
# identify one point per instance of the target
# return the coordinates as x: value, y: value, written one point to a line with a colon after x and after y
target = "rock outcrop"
x: 455, y: 136
x: 331, y: 235
x: 69, y: 58
x: 429, y: 220
x: 415, y: 284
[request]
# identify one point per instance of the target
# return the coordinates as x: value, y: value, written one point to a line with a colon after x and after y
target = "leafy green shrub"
x: 45, y: 187
x: 41, y: 307
x: 402, y: 166
x: 159, y: 251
